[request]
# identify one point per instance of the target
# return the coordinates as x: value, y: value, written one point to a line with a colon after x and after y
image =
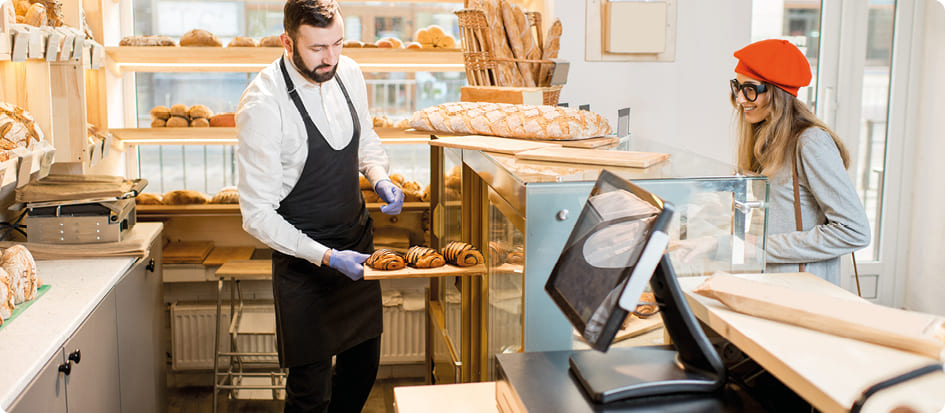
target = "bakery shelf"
x: 227, y: 136
x: 253, y: 59
x: 234, y: 209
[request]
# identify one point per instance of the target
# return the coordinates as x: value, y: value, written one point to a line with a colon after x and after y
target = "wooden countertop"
x: 828, y: 371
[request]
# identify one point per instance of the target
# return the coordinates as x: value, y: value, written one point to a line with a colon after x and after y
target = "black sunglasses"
x: 749, y: 90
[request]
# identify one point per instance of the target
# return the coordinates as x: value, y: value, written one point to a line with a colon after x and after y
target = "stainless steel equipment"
x: 80, y: 221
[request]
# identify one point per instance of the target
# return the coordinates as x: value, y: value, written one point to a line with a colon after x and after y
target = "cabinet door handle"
x: 150, y: 266
x: 66, y: 368
x: 75, y: 356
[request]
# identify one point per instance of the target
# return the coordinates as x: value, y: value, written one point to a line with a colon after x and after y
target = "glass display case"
x: 520, y: 213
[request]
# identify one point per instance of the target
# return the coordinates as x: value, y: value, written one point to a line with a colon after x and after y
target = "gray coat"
x: 835, y: 223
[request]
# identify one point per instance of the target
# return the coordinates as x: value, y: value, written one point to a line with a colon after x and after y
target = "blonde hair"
x: 766, y: 146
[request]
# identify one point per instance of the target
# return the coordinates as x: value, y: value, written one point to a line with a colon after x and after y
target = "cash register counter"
x: 830, y: 372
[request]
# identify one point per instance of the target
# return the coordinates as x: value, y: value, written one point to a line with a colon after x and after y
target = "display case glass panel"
x: 504, y: 285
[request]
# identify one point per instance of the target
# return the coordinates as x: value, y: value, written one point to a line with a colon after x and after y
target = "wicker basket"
x: 480, y: 59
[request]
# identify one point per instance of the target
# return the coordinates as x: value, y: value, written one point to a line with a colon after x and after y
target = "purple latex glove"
x: 348, y: 263
x: 391, y: 194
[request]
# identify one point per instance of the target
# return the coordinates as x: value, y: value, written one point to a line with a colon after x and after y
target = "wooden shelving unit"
x: 227, y: 136
x: 253, y: 59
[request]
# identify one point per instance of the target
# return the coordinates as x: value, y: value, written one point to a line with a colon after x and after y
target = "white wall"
x: 924, y: 263
x: 683, y: 103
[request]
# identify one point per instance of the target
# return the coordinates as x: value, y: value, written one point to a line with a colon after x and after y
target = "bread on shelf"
x: 228, y: 195
x: 241, y: 41
x: 148, y: 198
x: 200, y: 38
x: 223, y: 120
x: 271, y: 41
x: 185, y: 197
x: 146, y: 40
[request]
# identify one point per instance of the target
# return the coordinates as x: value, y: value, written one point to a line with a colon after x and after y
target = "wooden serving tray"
x: 410, y: 272
x: 491, y: 144
x: 222, y: 255
x: 594, y: 157
x: 187, y: 252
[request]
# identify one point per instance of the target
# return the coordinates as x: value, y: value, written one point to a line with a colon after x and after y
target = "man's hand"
x: 391, y: 194
x: 348, y: 263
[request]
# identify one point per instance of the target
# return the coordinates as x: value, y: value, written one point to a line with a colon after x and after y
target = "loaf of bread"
x: 240, y: 41
x: 148, y: 198
x: 423, y: 257
x: 397, y: 179
x: 6, y: 296
x: 179, y: 109
x: 386, y: 260
x: 21, y: 269
x: 228, y: 195
x: 36, y: 15
x: 200, y: 38
x: 18, y: 129
x: 223, y: 120
x: 271, y: 41
x: 353, y: 44
x: 149, y: 40
x: 413, y: 45
x: 185, y: 197
x: 461, y: 254
x: 516, y: 256
x: 508, y: 120
x: 550, y: 51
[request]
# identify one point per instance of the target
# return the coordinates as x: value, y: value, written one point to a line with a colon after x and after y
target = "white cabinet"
x: 47, y: 392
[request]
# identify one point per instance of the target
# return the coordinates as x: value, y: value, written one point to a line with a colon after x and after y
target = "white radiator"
x: 192, y: 335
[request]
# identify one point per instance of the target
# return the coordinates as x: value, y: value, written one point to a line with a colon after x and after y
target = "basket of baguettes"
x: 503, y: 48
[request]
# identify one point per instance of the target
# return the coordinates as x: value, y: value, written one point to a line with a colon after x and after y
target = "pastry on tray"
x: 461, y: 254
x: 386, y: 260
x: 423, y: 257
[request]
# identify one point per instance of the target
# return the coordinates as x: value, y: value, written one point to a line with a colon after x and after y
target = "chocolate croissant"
x: 423, y: 257
x: 461, y: 254
x: 497, y: 253
x: 386, y: 260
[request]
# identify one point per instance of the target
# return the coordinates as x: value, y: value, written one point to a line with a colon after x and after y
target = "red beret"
x: 775, y: 61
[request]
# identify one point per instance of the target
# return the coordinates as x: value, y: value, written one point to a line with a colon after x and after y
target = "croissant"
x: 497, y: 253
x: 386, y: 260
x: 461, y: 254
x: 516, y: 256
x: 423, y: 257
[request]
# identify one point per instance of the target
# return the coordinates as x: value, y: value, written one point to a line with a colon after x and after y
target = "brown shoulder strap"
x: 797, y: 202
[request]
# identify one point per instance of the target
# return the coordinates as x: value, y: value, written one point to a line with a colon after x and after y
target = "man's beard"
x: 312, y: 74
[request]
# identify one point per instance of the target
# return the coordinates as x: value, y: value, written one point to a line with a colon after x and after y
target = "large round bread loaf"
x: 21, y: 268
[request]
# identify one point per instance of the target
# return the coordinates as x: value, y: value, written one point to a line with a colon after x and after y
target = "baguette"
x: 508, y: 120
x: 552, y: 44
x: 146, y: 41
x: 507, y: 72
x: 514, y: 33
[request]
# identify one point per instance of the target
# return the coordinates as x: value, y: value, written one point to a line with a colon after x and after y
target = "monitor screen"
x: 609, y: 257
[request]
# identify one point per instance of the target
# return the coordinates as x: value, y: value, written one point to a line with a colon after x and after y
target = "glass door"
x: 851, y: 46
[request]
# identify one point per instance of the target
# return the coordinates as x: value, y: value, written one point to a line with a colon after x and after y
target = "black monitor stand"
x: 692, y: 367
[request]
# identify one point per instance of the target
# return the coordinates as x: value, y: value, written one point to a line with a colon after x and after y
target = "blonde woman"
x: 778, y: 135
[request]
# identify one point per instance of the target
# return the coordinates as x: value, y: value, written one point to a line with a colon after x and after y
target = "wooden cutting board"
x: 246, y: 270
x: 221, y: 255
x: 187, y: 252
x: 594, y: 157
x: 491, y: 144
x: 639, y: 326
x: 589, y: 143
x: 410, y: 272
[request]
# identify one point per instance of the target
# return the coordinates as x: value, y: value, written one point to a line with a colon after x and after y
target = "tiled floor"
x: 199, y: 399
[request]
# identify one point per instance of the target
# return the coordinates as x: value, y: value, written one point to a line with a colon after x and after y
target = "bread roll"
x: 199, y: 111
x: 185, y: 197
x: 461, y: 254
x: 353, y: 44
x: 179, y: 110
x: 423, y: 257
x: 386, y: 260
x: 413, y: 45
x: 423, y: 38
x: 497, y: 253
x: 508, y: 120
x: 397, y: 179
x: 646, y: 306
x: 158, y: 123
x: 370, y: 196
x: 516, y: 256
x: 150, y: 40
x: 21, y: 268
x: 446, y: 42
x: 177, y: 122
x: 240, y: 41
x: 200, y: 38
x: 384, y: 43
x: 160, y: 112
x: 552, y: 44
x: 21, y: 7
x: 228, y: 195
x: 225, y: 120
x: 425, y: 197
x: 271, y: 41
x: 199, y: 123
x: 148, y: 198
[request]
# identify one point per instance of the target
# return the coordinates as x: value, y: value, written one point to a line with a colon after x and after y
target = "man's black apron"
x: 320, y: 311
